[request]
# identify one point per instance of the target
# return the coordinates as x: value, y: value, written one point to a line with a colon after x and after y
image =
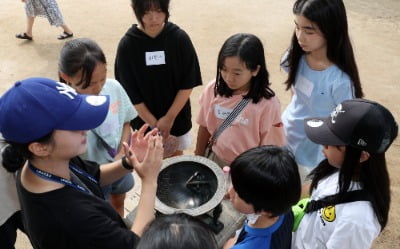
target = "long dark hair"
x: 331, y: 18
x: 80, y: 54
x: 249, y: 49
x: 15, y: 154
x: 372, y: 175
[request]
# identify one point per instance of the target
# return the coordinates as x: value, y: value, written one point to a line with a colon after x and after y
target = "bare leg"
x: 66, y: 28
x: 29, y: 25
x: 117, y: 201
x: 67, y: 33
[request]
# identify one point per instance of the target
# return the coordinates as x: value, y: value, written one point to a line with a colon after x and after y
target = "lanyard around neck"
x: 50, y: 177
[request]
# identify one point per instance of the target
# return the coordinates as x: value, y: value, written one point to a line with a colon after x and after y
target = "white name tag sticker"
x: 304, y: 85
x: 155, y: 58
x: 221, y: 112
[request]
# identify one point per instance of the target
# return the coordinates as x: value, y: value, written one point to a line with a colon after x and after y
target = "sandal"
x: 65, y: 35
x: 23, y: 36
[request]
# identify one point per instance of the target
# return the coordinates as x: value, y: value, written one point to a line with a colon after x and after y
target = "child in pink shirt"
x: 241, y: 73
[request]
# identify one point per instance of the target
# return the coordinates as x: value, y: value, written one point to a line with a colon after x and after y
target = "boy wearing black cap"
x: 354, y: 137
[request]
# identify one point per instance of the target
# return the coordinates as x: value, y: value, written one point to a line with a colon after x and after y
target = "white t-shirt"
x: 8, y: 191
x: 347, y: 225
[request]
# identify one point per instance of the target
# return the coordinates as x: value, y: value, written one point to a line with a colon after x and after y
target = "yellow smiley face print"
x: 329, y: 213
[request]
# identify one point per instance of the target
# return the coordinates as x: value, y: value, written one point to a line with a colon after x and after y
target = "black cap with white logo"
x: 360, y: 123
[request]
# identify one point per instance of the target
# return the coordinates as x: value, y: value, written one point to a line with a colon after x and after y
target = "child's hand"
x: 164, y: 124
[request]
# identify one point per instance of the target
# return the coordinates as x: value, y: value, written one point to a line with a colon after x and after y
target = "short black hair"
x: 267, y: 177
x: 177, y: 231
x: 140, y: 7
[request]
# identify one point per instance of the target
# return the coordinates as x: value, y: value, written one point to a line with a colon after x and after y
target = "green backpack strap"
x: 306, y: 206
x: 299, y: 210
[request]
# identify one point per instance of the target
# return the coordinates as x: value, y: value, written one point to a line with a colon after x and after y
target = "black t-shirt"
x: 68, y: 218
x: 153, y: 70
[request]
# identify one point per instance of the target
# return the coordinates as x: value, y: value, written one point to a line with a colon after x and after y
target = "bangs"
x: 152, y: 5
x: 143, y: 6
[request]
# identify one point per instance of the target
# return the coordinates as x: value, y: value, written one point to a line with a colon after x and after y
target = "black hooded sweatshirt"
x: 153, y: 70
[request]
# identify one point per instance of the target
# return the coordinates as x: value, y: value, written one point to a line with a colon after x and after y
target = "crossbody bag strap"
x: 228, y: 121
x: 110, y: 150
x: 331, y: 200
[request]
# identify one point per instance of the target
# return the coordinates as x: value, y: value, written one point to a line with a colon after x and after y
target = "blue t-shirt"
x: 277, y: 236
x: 316, y: 94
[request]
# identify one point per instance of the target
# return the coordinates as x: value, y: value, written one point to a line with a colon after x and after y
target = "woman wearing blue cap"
x: 44, y: 123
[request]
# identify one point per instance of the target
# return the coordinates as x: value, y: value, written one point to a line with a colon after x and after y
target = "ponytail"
x: 15, y: 154
x: 14, y: 157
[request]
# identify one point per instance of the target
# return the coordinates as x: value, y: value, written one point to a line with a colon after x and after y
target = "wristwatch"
x: 125, y: 164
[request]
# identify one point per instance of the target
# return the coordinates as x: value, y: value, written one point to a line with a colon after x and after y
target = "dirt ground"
x: 374, y: 29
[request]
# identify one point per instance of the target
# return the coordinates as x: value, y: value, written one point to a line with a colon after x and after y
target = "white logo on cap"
x: 314, y: 123
x: 66, y: 90
x: 361, y: 142
x: 96, y: 100
x: 336, y: 112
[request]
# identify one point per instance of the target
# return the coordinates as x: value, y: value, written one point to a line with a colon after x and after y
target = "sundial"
x: 193, y: 185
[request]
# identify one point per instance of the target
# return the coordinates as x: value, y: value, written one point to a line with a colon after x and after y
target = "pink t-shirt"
x: 258, y: 124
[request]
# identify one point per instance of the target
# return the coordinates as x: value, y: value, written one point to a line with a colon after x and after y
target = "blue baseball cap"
x: 35, y: 107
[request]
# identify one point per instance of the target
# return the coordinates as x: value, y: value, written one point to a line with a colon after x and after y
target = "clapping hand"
x: 145, y: 152
x: 139, y: 142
